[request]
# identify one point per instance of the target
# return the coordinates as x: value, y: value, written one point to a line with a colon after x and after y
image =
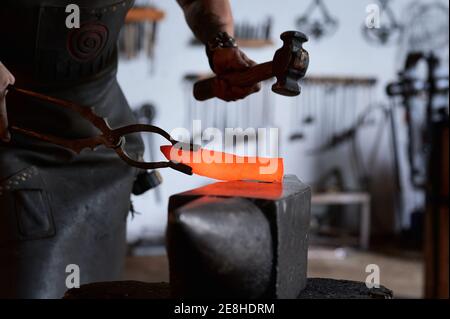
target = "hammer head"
x: 290, y: 63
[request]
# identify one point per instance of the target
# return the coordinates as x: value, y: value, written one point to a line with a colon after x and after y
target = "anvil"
x: 239, y: 240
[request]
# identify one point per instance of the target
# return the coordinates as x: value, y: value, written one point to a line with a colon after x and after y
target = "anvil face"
x: 239, y: 240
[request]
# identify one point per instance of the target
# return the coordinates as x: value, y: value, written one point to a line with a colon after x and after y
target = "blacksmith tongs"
x: 110, y: 138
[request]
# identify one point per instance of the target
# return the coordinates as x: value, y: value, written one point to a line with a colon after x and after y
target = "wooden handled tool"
x: 289, y: 65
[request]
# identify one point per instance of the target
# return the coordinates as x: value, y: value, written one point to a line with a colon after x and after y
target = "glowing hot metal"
x: 225, y: 166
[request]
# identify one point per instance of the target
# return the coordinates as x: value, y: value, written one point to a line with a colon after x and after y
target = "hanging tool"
x: 341, y: 137
x: 296, y: 120
x: 289, y: 65
x: 139, y: 32
x: 261, y: 31
x: 318, y: 28
x: 308, y: 118
x: 268, y: 29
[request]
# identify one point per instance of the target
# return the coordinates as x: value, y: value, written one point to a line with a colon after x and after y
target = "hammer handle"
x: 205, y: 89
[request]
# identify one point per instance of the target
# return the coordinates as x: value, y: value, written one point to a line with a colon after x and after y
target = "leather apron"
x: 58, y: 208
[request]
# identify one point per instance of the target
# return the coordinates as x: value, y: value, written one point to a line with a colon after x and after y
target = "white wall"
x: 345, y: 53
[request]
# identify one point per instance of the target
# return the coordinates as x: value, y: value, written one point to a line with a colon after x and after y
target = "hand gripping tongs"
x: 110, y: 138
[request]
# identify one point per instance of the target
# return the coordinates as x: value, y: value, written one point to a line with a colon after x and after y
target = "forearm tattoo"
x: 204, y: 23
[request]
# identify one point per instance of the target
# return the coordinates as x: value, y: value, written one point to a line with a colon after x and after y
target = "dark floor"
x: 403, y: 275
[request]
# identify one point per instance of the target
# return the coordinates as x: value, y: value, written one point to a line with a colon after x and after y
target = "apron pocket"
x: 25, y: 211
x: 33, y: 214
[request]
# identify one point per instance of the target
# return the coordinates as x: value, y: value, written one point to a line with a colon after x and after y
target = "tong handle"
x: 110, y: 138
x: 84, y: 111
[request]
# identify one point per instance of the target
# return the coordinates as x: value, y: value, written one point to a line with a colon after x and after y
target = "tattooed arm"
x: 6, y: 78
x: 207, y: 18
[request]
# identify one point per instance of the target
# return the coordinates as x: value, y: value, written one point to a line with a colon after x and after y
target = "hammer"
x: 289, y: 65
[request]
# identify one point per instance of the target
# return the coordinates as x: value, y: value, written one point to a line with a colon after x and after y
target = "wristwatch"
x: 221, y: 41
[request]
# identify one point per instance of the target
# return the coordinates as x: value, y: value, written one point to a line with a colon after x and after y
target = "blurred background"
x: 356, y: 133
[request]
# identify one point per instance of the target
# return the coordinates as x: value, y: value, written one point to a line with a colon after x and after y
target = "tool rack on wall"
x: 248, y: 35
x: 255, y: 111
x: 331, y: 114
x: 335, y: 102
x: 139, y: 33
x: 140, y: 14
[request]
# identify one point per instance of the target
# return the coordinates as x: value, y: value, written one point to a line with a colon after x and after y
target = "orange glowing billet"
x: 225, y: 166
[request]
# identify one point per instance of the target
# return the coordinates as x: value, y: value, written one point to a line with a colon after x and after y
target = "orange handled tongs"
x: 110, y: 138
